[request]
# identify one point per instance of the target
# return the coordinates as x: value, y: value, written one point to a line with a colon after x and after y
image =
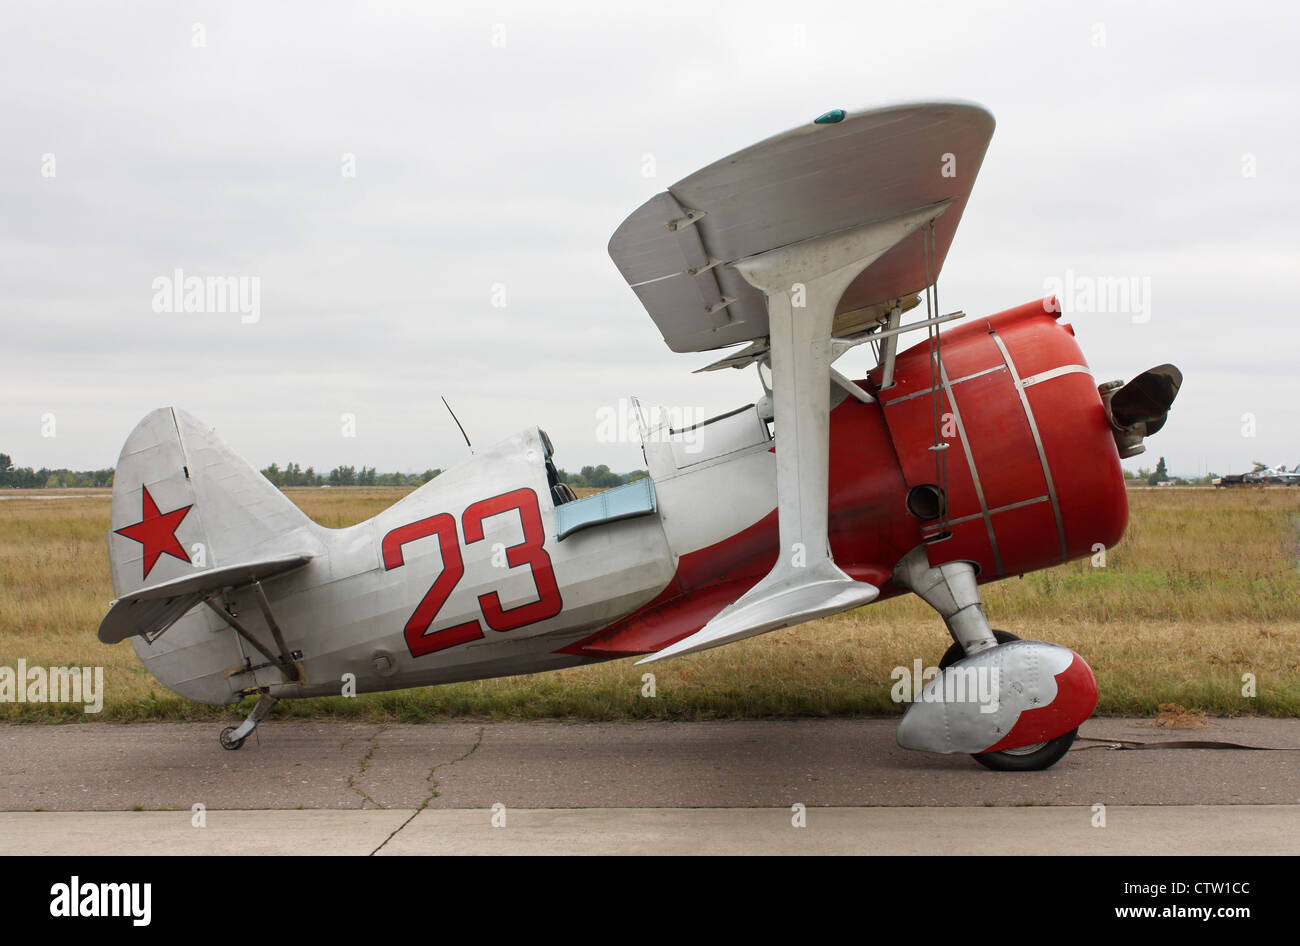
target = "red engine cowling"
x: 1032, y: 472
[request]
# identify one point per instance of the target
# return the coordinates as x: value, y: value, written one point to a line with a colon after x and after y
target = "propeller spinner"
x: 1141, y: 407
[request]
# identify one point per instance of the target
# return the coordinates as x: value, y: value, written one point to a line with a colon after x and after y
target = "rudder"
x: 183, y: 501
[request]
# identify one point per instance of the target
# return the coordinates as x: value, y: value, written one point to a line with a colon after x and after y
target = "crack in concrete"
x: 433, y: 788
x: 365, y: 763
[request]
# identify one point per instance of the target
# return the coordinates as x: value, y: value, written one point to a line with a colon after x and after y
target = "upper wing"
x: 678, y: 249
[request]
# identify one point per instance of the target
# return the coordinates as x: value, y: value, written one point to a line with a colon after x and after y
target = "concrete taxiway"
x: 1202, y: 829
x: 709, y: 787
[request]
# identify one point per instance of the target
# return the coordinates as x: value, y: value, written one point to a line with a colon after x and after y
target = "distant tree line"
x: 599, y: 477
x: 294, y: 475
x: 1161, y: 474
x: 589, y: 477
x: 24, y: 477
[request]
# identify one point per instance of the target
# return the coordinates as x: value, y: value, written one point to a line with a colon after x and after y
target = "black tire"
x: 226, y: 741
x: 1030, y: 758
x: 955, y: 652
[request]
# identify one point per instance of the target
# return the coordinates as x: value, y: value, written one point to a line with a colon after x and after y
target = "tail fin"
x: 184, y: 502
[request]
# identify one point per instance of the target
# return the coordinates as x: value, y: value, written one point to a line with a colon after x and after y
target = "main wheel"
x: 1041, y: 755
x: 226, y: 741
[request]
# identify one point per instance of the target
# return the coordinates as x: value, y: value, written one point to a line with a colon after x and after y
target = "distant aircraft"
x: 980, y: 453
x: 1263, y: 475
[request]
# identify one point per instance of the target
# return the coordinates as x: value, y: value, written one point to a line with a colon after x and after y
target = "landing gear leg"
x: 232, y: 737
x: 952, y: 591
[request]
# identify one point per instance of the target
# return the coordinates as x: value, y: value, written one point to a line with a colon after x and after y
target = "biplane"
x: 983, y: 451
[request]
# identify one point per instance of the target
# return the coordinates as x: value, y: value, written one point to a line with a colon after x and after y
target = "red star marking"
x: 156, y: 531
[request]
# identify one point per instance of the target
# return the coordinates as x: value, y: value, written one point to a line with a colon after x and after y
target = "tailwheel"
x: 232, y: 737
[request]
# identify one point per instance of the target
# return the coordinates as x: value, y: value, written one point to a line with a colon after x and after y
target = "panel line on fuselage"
x: 946, y: 384
x: 1007, y: 508
x: 1055, y: 373
x: 1038, y: 441
x: 970, y: 463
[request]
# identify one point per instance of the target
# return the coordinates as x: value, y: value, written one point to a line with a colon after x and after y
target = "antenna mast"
x: 462, y: 429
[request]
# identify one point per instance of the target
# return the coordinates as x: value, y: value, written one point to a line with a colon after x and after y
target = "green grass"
x: 1203, y: 589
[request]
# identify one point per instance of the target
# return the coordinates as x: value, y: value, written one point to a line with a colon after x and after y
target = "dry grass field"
x: 1203, y: 589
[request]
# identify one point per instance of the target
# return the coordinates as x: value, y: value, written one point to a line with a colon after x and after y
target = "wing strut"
x: 803, y: 283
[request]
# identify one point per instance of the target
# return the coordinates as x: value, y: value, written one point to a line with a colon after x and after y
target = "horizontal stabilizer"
x: 151, y: 610
x: 780, y: 600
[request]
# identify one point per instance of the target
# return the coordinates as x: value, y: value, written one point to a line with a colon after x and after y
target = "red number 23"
x: 529, y: 552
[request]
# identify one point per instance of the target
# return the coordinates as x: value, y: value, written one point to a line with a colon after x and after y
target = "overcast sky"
x: 501, y: 145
